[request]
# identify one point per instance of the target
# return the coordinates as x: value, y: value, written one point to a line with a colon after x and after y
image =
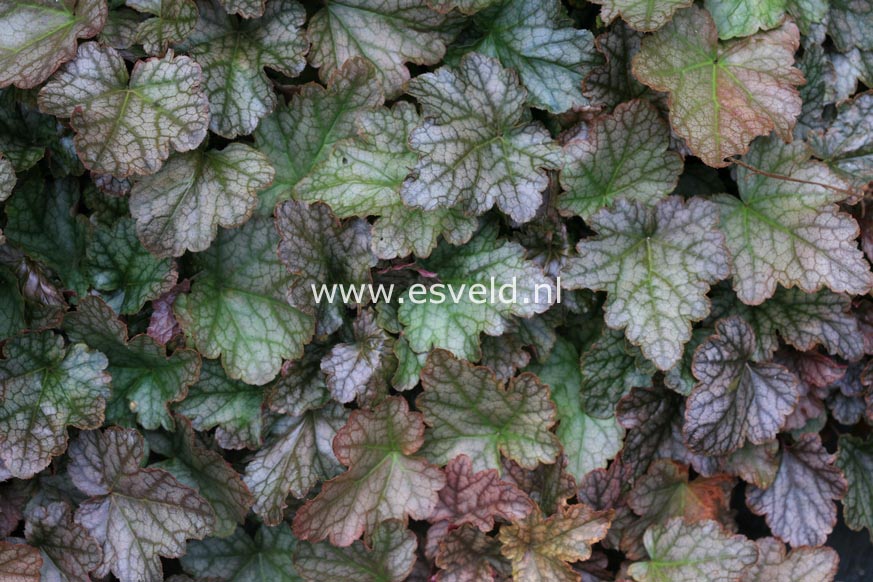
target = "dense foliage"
x: 176, y: 175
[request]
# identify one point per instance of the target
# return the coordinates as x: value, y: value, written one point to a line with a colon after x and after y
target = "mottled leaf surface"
x: 722, y: 94
x: 642, y: 15
x: 264, y: 557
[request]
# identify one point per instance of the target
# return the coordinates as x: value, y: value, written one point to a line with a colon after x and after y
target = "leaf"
x: 804, y: 320
x: 849, y: 25
x: 478, y: 146
x: 388, y: 33
x: 137, y: 515
x: 362, y: 176
x: 173, y: 21
x: 349, y: 367
x: 788, y: 230
x: 162, y: 322
x: 119, y: 265
x: 384, y: 480
x: 240, y: 558
x: 799, y: 506
x: 722, y: 95
x: 736, y: 399
x: 735, y: 18
x: 302, y: 385
x: 128, y: 124
x: 470, y: 412
x: 232, y: 407
x: 589, y: 443
x: 295, y: 456
x: 540, y: 548
x: 300, y: 135
x: 245, y: 8
x: 206, y: 472
x: 20, y: 562
x: 610, y: 368
x: 144, y: 378
x: 776, y: 565
x: 433, y: 318
x: 680, y: 552
x: 47, y: 387
x: 846, y: 146
x: 656, y: 265
x: 756, y: 464
x: 319, y: 250
x: 642, y: 15
x: 664, y: 492
x: 855, y: 460
x: 537, y: 39
x: 468, y: 555
x: 43, y: 221
x: 613, y: 83
x: 68, y: 552
x: 39, y: 35
x: 233, y: 54
x: 390, y: 557
x: 237, y: 307
x: 181, y: 206
x: 477, y: 498
x: 624, y: 154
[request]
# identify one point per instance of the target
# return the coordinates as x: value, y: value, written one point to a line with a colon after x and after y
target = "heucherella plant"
x: 445, y: 290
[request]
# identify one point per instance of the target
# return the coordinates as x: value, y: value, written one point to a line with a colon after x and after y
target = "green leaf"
x: 39, y: 35
x: 240, y: 558
x: 46, y: 387
x: 624, y: 154
x: 610, y: 368
x: 737, y: 18
x: 237, y: 307
x: 118, y: 264
x: 846, y: 146
x: 432, y: 318
x: 589, y: 442
x: 656, y: 264
x: 680, y: 552
x: 470, y: 412
x: 855, y: 460
x: 540, y: 548
x: 245, y: 8
x: 232, y: 407
x: 384, y: 480
x: 722, y: 95
x: 44, y: 222
x: 787, y: 229
x: 319, y: 250
x: 137, y: 515
x: 850, y: 24
x: 665, y: 492
x: 388, y: 33
x: 144, y: 378
x: 642, y: 15
x: 774, y: 563
x: 172, y: 22
x: 300, y: 135
x: 736, y: 399
x: 68, y: 552
x: 537, y: 39
x: 295, y: 456
x: 803, y: 320
x: 613, y: 82
x: 204, y: 471
x: 233, y: 55
x: 181, y: 206
x: 389, y: 557
x: 24, y: 131
x: 362, y: 176
x: 128, y: 124
x: 799, y: 505
x: 478, y: 145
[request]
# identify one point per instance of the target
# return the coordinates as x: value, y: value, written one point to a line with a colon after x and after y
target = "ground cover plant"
x: 178, y: 176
